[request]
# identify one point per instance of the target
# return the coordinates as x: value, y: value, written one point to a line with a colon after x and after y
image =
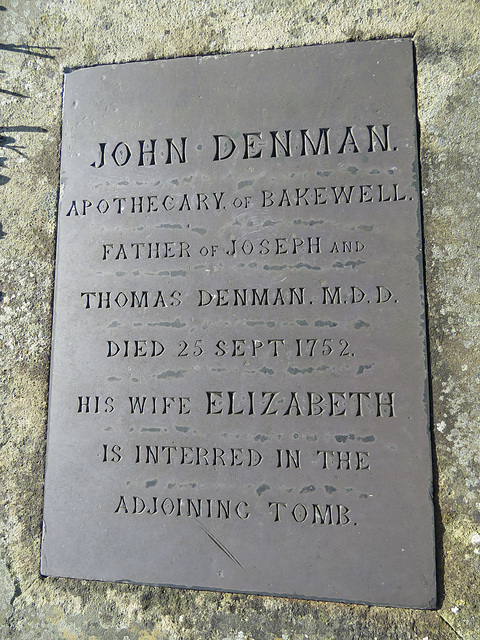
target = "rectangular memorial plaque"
x: 239, y: 394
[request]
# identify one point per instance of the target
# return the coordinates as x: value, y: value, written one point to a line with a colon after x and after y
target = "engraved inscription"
x: 348, y: 139
x: 321, y: 196
x: 238, y: 370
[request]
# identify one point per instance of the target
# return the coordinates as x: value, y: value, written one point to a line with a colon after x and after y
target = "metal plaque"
x: 239, y: 388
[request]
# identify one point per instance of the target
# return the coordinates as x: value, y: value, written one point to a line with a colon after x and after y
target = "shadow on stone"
x: 8, y: 142
x: 28, y: 50
x: 439, y: 532
x: 24, y: 129
x: 13, y: 93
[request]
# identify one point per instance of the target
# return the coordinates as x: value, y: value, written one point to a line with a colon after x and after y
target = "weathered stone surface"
x: 78, y: 33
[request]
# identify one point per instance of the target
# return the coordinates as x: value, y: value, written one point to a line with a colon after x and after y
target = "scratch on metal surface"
x: 221, y: 546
